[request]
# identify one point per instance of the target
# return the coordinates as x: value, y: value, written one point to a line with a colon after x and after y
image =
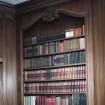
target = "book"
x: 60, y: 54
x: 50, y: 100
x: 33, y: 99
x: 82, y: 43
x: 25, y: 103
x: 58, y: 100
x: 34, y: 40
x: 48, y: 75
x: 61, y: 46
x: 78, y: 31
x: 69, y: 33
x: 54, y: 36
x: 58, y: 60
x: 52, y: 47
x: 74, y: 99
x: 70, y: 100
x: 82, y: 100
x: 63, y: 100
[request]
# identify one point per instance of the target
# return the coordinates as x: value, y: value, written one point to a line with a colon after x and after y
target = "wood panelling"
x: 1, y: 83
x: 8, y: 56
x: 7, y: 8
x: 99, y: 46
x: 1, y: 39
x: 35, y: 5
x: 11, y: 58
x: 19, y: 56
x: 11, y: 73
x: 94, y: 10
x: 89, y: 47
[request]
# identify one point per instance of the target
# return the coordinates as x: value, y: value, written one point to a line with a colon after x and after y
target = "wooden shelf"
x: 63, y: 80
x: 74, y: 37
x: 57, y: 94
x: 37, y: 56
x: 53, y: 67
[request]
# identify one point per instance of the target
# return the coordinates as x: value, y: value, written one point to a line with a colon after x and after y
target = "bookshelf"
x: 55, y: 68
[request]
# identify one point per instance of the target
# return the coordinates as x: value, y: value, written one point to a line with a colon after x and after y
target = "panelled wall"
x: 8, y: 75
x: 75, y: 8
x: 99, y: 50
x: 10, y: 50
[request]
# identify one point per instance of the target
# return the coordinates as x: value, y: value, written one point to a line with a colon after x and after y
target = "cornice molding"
x: 7, y: 10
x: 35, y: 17
x: 6, y: 4
x: 33, y: 6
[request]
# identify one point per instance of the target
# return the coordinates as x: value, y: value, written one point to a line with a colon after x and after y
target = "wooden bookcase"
x: 55, y: 68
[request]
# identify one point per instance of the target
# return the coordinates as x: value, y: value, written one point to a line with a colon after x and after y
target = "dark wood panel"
x: 89, y: 50
x: 99, y: 70
x: 1, y: 83
x: 8, y: 56
x: 19, y: 56
x: 1, y: 39
x: 11, y: 74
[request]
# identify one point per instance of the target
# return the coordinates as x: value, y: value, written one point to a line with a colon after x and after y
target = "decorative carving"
x: 50, y: 14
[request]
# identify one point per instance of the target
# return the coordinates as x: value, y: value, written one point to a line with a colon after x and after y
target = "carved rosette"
x: 50, y: 14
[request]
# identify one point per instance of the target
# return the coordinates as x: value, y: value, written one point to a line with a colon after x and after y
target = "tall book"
x: 70, y: 100
x: 50, y: 100
x: 82, y: 99
x: 63, y: 100
x: 58, y: 100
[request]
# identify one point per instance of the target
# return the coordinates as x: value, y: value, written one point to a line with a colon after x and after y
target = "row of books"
x: 55, y: 47
x: 55, y: 87
x: 78, y: 31
x: 77, y: 72
x: 74, y: 99
x: 55, y: 60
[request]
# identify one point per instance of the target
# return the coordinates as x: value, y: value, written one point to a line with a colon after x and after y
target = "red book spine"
x: 61, y: 46
x: 50, y: 100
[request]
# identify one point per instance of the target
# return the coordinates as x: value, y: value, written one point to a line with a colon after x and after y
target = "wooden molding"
x: 7, y: 9
x: 33, y: 6
x: 35, y: 17
x: 6, y: 4
x: 72, y: 13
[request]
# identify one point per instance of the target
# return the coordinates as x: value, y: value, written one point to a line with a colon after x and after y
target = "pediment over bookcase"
x: 32, y: 19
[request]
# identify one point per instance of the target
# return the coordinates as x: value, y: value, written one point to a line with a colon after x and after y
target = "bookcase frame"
x: 89, y: 58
